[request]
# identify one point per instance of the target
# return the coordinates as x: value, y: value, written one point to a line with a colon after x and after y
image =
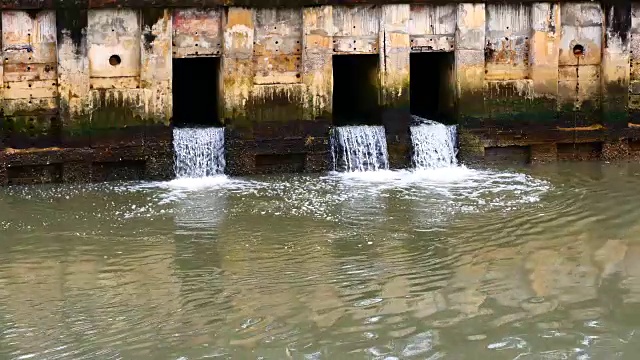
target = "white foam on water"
x: 455, y: 182
x: 360, y: 148
x: 199, y: 152
x: 197, y: 183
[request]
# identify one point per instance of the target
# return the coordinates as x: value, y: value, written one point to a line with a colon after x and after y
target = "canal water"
x: 539, y: 262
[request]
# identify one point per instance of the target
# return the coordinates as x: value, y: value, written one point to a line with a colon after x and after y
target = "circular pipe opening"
x: 578, y: 50
x: 115, y: 60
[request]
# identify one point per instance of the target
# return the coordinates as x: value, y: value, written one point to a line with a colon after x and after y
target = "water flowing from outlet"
x: 359, y: 148
x: 434, y: 144
x: 199, y: 152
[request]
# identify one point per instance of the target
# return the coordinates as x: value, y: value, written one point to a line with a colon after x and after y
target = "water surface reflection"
x: 526, y: 263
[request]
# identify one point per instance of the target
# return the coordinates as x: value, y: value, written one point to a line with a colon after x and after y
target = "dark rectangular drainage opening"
x: 34, y: 174
x: 580, y: 151
x: 508, y: 155
x: 196, y: 91
x: 355, y: 90
x: 431, y: 87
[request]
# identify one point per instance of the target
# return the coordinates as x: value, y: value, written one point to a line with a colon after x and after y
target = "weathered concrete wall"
x: 87, y: 87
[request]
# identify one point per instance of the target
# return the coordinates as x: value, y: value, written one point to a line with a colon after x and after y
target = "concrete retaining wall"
x: 87, y: 91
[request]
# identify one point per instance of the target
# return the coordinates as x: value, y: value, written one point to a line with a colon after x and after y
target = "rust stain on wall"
x: 277, y: 52
x: 507, y: 41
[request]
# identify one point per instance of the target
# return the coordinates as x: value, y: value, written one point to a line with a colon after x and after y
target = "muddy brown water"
x: 523, y: 263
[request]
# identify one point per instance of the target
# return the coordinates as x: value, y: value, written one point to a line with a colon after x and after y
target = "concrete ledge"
x: 54, y: 165
x: 293, y: 155
x: 547, y: 144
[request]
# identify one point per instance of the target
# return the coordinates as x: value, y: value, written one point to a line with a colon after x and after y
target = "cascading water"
x: 199, y: 152
x: 359, y: 148
x: 434, y: 144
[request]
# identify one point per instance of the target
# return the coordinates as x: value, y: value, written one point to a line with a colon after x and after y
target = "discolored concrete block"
x: 113, y: 39
x: 197, y: 32
x: 394, y: 60
x: 507, y: 41
x: 432, y: 25
x: 356, y: 29
x: 616, y: 64
x: 28, y: 99
x: 317, y: 61
x: 278, y: 47
x: 543, y: 60
x: 156, y: 70
x: 237, y: 69
x: 73, y: 76
x: 470, y: 62
x: 580, y: 57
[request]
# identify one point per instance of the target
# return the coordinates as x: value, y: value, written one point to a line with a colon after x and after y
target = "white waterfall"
x: 199, y: 152
x: 434, y: 144
x: 360, y: 148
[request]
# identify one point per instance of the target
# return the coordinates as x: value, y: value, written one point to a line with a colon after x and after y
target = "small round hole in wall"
x: 29, y: 85
x: 47, y: 68
x: 114, y: 60
x: 196, y: 33
x: 276, y: 42
x: 578, y: 50
x: 28, y: 68
x: 29, y: 58
x: 196, y: 44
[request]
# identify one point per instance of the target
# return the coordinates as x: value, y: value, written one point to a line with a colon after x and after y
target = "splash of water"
x: 199, y: 152
x: 360, y: 148
x: 434, y: 144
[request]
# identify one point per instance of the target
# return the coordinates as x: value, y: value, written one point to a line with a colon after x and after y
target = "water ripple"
x: 461, y: 263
